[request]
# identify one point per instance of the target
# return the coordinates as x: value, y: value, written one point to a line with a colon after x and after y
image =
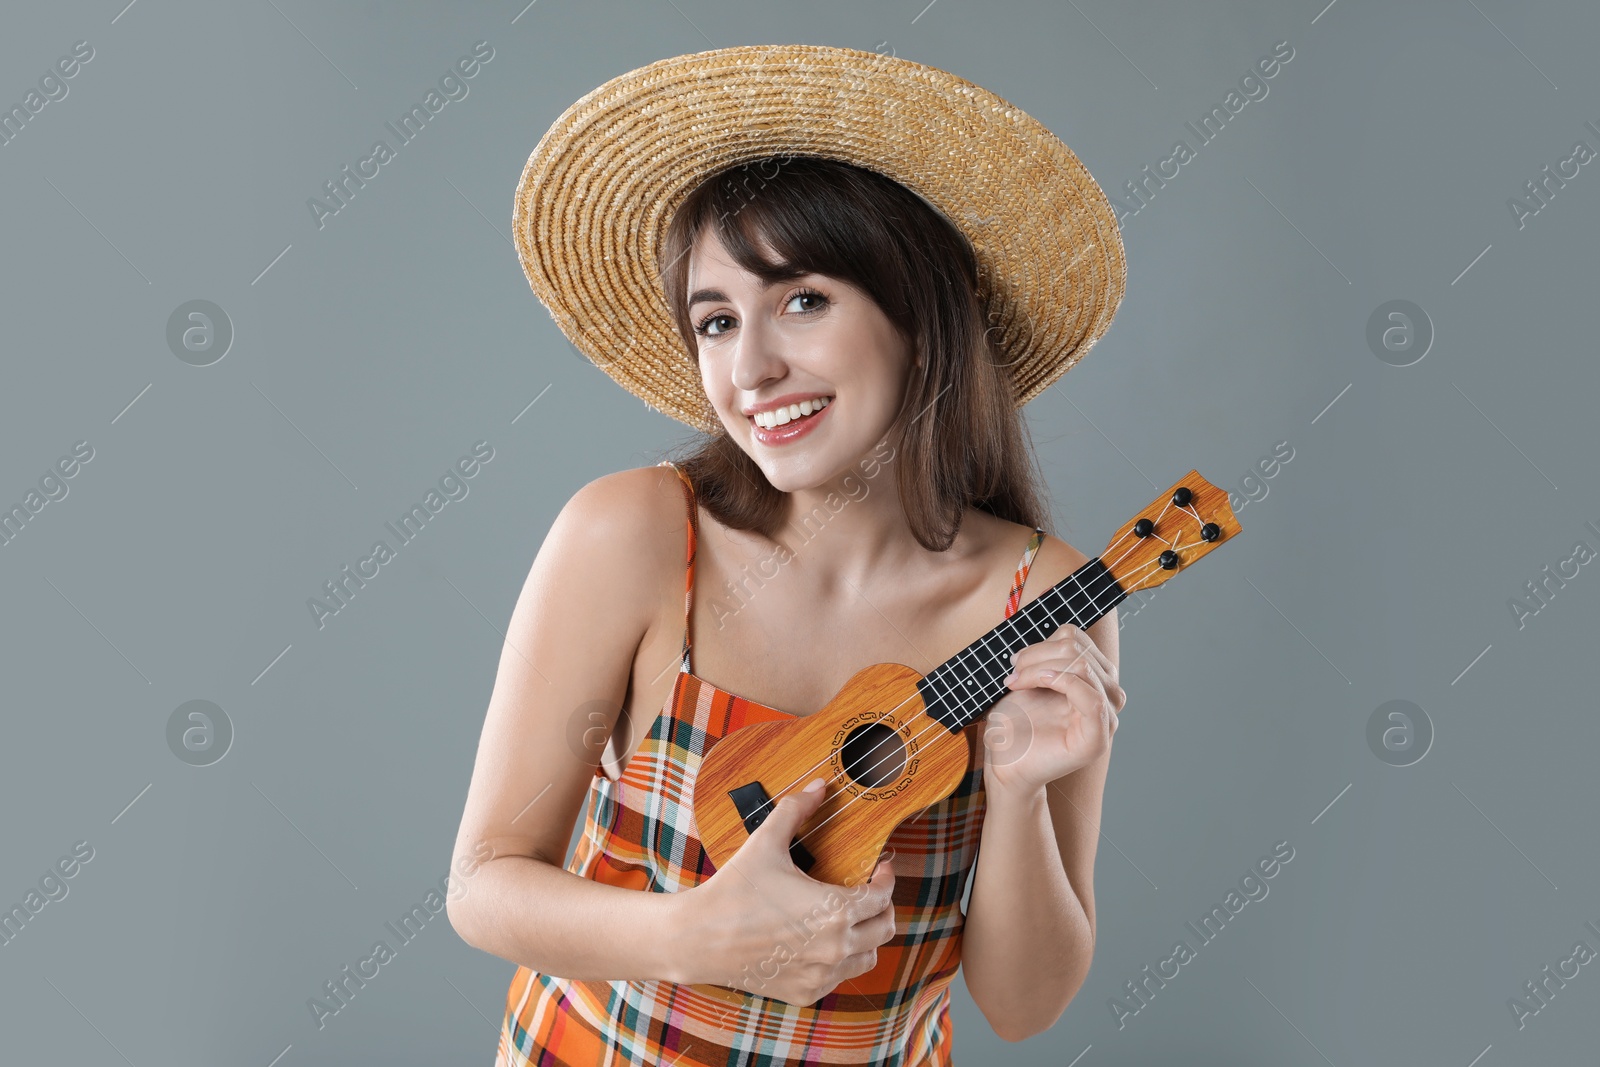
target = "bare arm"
x: 1030, y: 925
x: 594, y: 591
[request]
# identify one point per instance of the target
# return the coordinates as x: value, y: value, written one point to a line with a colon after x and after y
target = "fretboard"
x: 969, y: 683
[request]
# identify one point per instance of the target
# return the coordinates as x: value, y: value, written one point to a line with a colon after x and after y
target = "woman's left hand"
x: 1059, y: 715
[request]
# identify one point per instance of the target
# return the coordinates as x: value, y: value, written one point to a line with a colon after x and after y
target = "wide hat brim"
x: 601, y: 187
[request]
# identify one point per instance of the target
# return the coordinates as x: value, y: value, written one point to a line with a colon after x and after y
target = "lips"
x: 775, y: 417
x: 796, y: 422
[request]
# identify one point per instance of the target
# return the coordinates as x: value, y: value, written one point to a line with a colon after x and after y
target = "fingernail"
x: 814, y: 785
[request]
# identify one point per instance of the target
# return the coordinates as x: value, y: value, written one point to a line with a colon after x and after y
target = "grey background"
x: 371, y: 353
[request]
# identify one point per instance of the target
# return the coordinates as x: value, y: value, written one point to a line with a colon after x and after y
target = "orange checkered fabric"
x: 638, y: 832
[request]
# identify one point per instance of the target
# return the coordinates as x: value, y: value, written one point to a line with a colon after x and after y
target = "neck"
x: 861, y: 519
x: 966, y: 685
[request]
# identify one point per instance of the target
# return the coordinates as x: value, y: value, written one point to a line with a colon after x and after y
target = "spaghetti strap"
x: 1020, y: 578
x: 688, y: 583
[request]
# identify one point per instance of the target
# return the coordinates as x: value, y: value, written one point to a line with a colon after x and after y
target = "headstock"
x: 1180, y: 526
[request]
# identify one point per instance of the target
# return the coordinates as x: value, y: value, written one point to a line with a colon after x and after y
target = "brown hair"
x: 959, y: 439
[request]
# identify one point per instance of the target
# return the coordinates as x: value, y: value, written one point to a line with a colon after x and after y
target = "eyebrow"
x: 700, y: 295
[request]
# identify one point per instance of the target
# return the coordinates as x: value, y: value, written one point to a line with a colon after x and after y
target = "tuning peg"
x: 1182, y: 497
x: 1168, y: 560
x: 1210, y: 532
x: 1143, y: 527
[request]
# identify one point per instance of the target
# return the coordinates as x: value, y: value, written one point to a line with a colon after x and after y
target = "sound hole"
x: 873, y: 754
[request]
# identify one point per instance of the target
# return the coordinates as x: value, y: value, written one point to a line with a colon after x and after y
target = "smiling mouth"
x: 771, y: 420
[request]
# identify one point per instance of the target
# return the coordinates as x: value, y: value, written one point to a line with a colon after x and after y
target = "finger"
x: 1072, y: 644
x: 859, y: 964
x: 1114, y: 694
x: 1093, y: 651
x: 887, y: 931
x: 1081, y: 648
x: 1102, y: 675
x: 1036, y: 673
x: 871, y: 932
x: 1083, y: 693
x: 879, y: 895
x: 793, y: 808
x: 1025, y: 657
x: 1106, y: 675
x: 1082, y: 642
x: 1085, y: 697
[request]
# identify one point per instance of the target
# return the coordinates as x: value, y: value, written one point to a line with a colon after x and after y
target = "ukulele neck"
x: 969, y: 683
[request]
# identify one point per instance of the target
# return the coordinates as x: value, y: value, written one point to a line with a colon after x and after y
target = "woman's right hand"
x: 762, y: 925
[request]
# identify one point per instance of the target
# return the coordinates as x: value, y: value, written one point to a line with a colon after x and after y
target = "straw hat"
x: 601, y: 187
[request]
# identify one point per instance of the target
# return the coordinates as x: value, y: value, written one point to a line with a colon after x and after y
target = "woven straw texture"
x: 601, y: 187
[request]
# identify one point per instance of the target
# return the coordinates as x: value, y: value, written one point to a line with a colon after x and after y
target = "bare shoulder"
x: 1055, y: 560
x: 639, y: 501
x: 618, y: 541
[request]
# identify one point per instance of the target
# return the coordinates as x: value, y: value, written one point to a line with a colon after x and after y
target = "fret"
x: 966, y: 685
x: 933, y: 689
x: 976, y: 660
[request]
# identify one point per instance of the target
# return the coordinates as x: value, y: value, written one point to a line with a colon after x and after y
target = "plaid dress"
x: 638, y: 832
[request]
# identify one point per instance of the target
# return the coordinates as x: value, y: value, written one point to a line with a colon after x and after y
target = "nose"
x: 758, y: 357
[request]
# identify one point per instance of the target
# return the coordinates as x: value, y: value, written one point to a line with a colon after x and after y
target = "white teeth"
x: 770, y: 420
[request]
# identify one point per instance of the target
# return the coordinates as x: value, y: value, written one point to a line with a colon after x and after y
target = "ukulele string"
x: 1093, y: 600
x: 937, y: 702
x: 1011, y: 622
x: 920, y: 733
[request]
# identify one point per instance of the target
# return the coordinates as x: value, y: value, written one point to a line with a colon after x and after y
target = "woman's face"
x: 813, y: 339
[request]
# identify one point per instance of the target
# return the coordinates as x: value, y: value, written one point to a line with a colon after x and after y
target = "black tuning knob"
x: 1143, y: 527
x: 1210, y: 532
x: 1182, y: 497
x: 1168, y: 560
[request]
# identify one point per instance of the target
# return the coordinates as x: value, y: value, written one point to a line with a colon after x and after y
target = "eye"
x: 702, y: 327
x: 819, y: 300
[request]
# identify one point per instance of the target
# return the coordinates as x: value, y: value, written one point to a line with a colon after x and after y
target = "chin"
x: 799, y: 470
x: 786, y: 474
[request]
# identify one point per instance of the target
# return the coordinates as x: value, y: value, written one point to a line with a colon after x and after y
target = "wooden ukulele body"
x: 883, y: 758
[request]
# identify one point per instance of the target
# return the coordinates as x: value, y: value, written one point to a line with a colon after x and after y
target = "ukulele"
x: 889, y: 743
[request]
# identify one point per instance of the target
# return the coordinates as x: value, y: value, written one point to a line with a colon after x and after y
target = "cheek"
x: 714, y: 382
x: 719, y: 390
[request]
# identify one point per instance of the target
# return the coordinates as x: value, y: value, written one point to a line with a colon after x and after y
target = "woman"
x: 863, y: 494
